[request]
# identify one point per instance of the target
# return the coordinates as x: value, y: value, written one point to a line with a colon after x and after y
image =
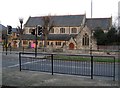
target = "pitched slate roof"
x: 65, y: 20
x: 14, y: 30
x: 103, y: 23
x: 27, y: 37
x: 2, y: 27
x: 63, y: 37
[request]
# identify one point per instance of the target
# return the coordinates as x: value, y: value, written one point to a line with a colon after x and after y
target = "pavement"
x: 14, y: 77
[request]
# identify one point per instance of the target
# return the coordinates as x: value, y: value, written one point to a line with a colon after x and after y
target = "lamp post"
x: 91, y: 32
x: 91, y: 41
x: 21, y: 22
x: 20, y: 31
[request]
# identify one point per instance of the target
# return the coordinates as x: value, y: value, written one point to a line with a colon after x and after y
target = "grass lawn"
x: 80, y: 58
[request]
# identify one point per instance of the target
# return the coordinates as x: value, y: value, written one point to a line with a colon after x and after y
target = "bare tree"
x: 20, y: 32
x: 48, y: 24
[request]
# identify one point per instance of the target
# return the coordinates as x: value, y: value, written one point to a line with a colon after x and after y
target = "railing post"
x: 91, y: 67
x: 114, y: 70
x: 52, y: 62
x: 20, y: 60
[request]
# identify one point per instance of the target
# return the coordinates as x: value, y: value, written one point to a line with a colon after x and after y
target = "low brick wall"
x: 112, y: 47
x: 75, y: 51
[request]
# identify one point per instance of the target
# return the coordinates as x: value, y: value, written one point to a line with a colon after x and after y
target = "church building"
x: 69, y: 31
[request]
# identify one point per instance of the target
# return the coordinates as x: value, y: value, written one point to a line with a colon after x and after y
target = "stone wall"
x: 80, y: 37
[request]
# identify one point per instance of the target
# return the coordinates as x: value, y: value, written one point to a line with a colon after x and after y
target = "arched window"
x: 85, y: 40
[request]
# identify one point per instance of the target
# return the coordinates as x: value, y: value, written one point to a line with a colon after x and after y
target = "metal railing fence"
x: 75, y: 64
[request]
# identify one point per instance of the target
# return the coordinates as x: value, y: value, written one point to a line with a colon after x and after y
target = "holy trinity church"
x: 69, y: 31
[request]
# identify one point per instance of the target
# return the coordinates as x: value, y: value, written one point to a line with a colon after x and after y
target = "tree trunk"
x: 45, y: 42
x: 20, y: 43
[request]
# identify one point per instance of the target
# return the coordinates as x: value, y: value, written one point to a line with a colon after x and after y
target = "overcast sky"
x: 12, y: 10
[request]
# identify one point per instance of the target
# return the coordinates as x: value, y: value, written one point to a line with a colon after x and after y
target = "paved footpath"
x: 13, y: 77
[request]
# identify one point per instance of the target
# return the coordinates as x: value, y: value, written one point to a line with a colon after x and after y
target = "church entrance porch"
x: 71, y: 46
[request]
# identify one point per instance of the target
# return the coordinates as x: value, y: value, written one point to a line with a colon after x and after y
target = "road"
x: 65, y: 67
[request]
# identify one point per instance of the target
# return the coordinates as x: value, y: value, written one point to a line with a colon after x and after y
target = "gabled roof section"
x: 14, y: 30
x: 62, y: 20
x: 2, y: 27
x: 103, y: 23
x: 68, y: 20
x: 33, y: 21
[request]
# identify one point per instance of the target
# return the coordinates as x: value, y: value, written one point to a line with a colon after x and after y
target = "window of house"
x: 40, y: 44
x: 30, y: 30
x: 25, y: 42
x: 47, y: 43
x: 52, y: 30
x: 14, y: 34
x: 58, y: 43
x: 51, y: 43
x: 62, y: 30
x: 74, y: 30
x: 64, y: 43
x: 85, y: 40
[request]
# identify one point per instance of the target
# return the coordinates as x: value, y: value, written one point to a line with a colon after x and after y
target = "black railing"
x: 86, y: 65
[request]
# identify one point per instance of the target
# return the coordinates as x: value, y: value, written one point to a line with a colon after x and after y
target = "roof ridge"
x: 60, y: 15
x: 99, y: 18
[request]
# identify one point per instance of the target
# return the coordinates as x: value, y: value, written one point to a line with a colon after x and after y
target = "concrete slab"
x: 13, y: 77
